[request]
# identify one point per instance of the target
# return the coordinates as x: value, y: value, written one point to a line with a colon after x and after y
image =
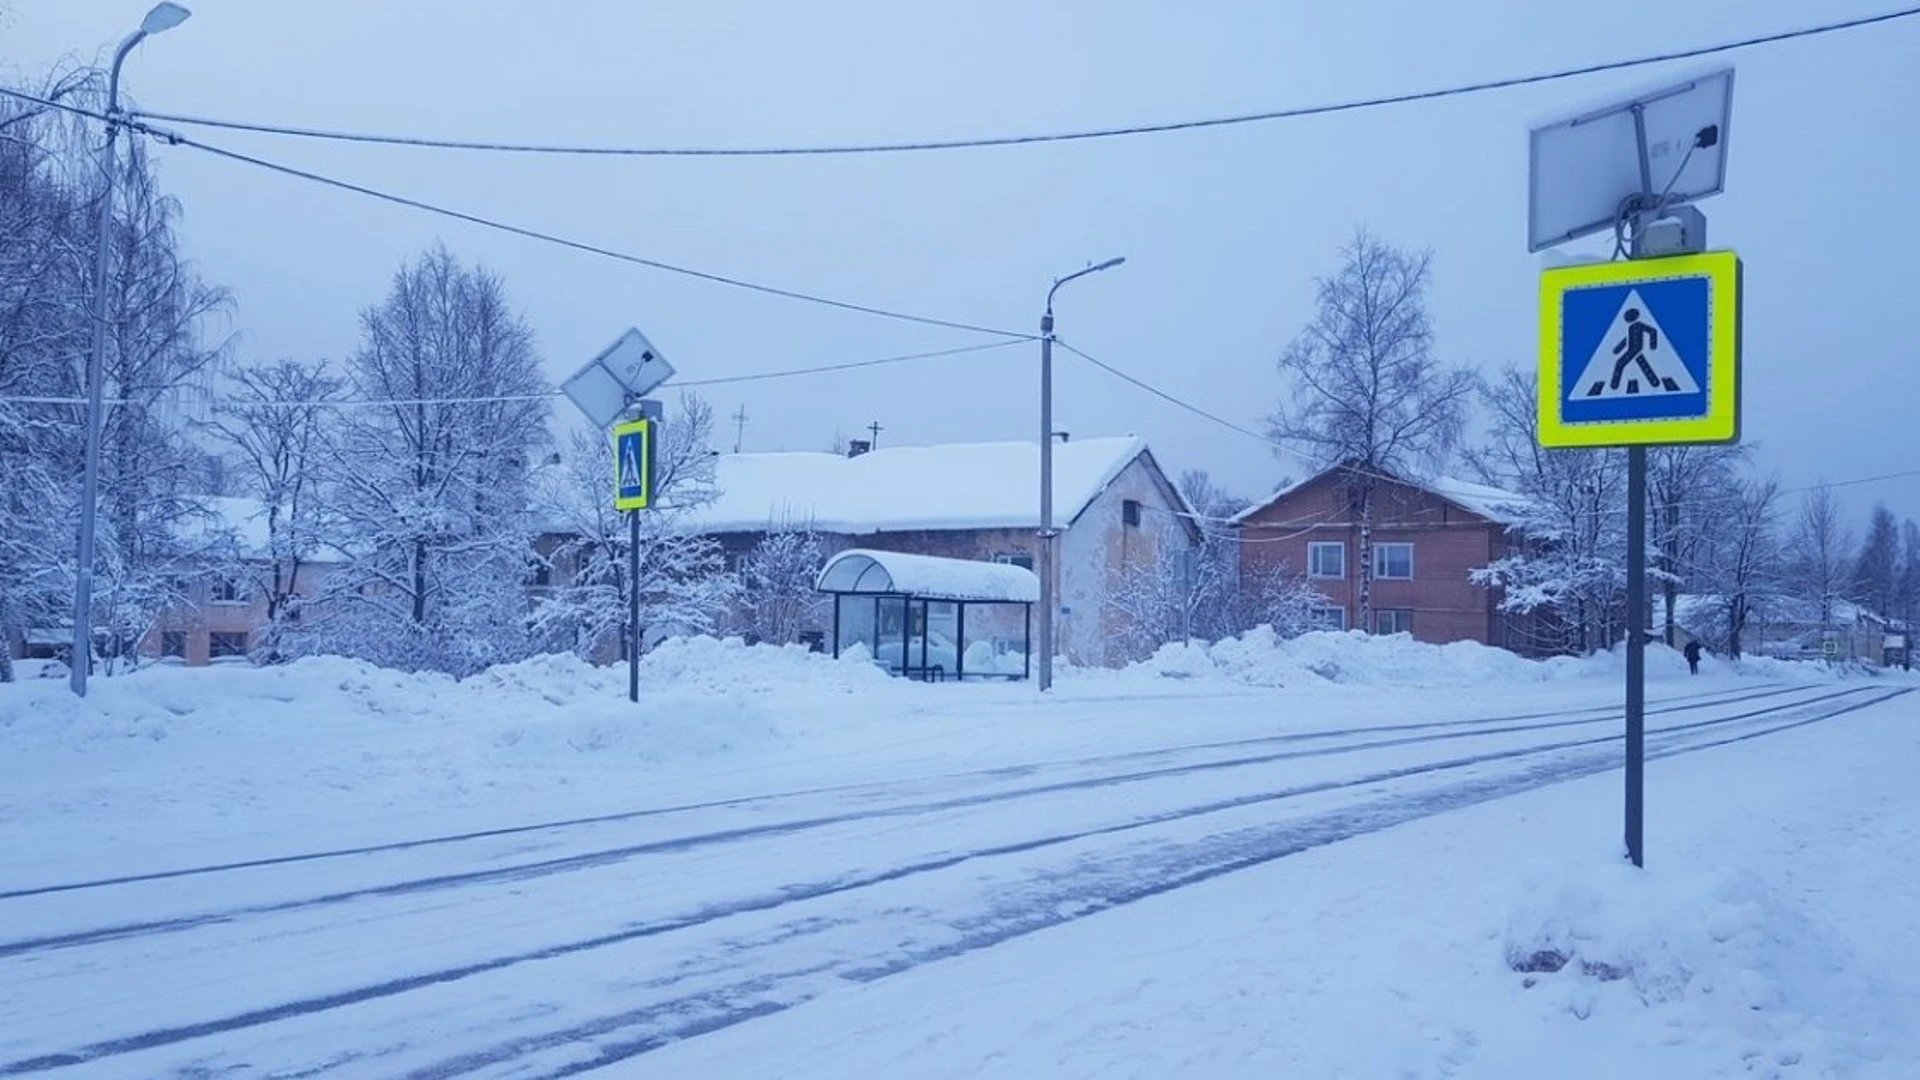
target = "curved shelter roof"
x: 861, y: 572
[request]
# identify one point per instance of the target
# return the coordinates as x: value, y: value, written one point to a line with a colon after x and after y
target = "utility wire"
x: 1322, y: 466
x: 175, y: 139
x: 906, y: 146
x: 214, y: 401
x: 577, y: 245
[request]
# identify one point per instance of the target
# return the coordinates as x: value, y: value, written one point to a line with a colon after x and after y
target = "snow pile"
x: 1262, y: 658
x: 1705, y: 959
x: 698, y: 696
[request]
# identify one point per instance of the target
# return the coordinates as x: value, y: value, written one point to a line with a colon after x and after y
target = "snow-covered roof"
x: 890, y: 573
x: 1492, y: 503
x: 1495, y: 504
x: 902, y: 488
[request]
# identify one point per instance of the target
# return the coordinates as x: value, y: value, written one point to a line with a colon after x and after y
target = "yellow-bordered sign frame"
x: 1720, y: 422
x: 636, y: 496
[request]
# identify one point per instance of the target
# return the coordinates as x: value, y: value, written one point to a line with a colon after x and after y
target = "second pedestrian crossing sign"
x: 1643, y: 352
x: 633, y: 465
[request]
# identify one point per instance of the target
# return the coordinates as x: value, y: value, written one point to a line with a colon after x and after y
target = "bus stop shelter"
x: 931, y: 618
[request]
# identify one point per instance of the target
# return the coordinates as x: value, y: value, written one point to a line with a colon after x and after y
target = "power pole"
x: 875, y: 429
x: 739, y: 426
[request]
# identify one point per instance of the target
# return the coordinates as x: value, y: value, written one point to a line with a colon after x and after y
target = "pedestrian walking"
x: 1693, y: 657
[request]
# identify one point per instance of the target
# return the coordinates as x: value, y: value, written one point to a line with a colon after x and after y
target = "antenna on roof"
x: 739, y: 426
x: 876, y: 429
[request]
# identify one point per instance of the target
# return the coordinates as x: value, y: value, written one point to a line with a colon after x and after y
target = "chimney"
x: 856, y: 447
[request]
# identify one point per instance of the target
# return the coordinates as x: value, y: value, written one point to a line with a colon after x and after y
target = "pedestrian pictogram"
x: 1643, y: 352
x: 1634, y: 357
x: 633, y: 465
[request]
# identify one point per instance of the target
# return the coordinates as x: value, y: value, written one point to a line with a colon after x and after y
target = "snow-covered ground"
x: 1336, y: 856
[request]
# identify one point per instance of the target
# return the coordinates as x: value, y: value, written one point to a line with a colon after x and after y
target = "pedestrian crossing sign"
x: 1644, y: 352
x: 633, y: 466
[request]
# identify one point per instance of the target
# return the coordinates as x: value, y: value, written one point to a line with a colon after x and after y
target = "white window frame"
x: 1315, y: 621
x: 1380, y: 613
x: 1014, y: 558
x: 1313, y: 569
x: 1379, y: 561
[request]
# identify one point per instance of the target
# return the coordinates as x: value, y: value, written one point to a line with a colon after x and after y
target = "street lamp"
x: 1049, y: 581
x: 164, y: 16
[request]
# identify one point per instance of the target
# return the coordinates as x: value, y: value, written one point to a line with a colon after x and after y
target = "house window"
x: 1327, y: 559
x: 1327, y: 618
x: 1393, y: 562
x: 1130, y: 512
x: 1014, y: 558
x: 1393, y: 621
x: 224, y: 590
x: 222, y: 644
x: 173, y: 643
x: 539, y: 573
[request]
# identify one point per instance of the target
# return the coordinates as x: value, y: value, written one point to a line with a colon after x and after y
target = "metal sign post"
x: 605, y: 389
x: 1644, y: 352
x: 635, y: 471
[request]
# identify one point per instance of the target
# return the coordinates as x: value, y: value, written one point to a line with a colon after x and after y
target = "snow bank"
x: 1264, y: 659
x: 1697, y: 957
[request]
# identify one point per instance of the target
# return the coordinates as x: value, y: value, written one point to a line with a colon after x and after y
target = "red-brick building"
x: 1428, y: 538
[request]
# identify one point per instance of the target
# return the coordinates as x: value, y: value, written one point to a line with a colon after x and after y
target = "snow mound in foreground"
x: 1261, y: 657
x: 698, y: 696
x: 1700, y: 957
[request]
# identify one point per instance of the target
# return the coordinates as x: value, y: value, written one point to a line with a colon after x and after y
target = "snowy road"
x: 556, y: 948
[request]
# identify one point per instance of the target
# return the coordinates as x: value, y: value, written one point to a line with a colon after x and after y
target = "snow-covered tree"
x: 1367, y: 392
x: 1567, y: 567
x: 428, y: 492
x: 1820, y: 568
x: 155, y: 356
x: 1688, y: 489
x: 777, y: 584
x: 684, y: 583
x: 1741, y: 570
x: 273, y: 418
x: 1907, y: 602
x: 1876, y: 572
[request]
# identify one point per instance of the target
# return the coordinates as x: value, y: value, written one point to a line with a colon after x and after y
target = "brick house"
x: 1428, y: 537
x: 1113, y: 505
x: 226, y: 601
x: 220, y: 577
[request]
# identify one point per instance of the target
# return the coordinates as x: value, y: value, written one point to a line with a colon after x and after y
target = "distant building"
x: 1428, y: 537
x: 218, y: 574
x: 1114, y: 506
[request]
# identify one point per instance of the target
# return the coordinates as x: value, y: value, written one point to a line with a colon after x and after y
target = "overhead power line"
x: 211, y: 400
x: 981, y: 142
x: 1319, y: 465
x: 577, y: 245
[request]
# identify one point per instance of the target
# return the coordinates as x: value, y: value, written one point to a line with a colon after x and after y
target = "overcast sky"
x: 1223, y: 230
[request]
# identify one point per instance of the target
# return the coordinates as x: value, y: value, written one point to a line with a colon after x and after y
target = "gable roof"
x: 909, y: 488
x: 1495, y: 504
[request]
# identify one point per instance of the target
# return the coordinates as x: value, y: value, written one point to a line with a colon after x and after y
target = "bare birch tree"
x: 1821, y: 569
x: 1368, y: 396
x: 428, y: 486
x: 273, y: 418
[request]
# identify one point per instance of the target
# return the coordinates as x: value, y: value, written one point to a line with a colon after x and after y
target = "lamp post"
x: 1049, y: 591
x: 164, y: 16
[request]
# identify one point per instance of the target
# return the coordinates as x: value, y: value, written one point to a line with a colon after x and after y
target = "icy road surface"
x: 555, y: 948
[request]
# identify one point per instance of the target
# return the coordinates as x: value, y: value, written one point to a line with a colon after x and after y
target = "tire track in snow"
x: 1452, y: 731
x: 1210, y: 858
x: 880, y: 787
x: 1534, y: 776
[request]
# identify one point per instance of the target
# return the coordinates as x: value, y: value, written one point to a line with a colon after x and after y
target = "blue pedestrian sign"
x: 633, y: 465
x: 1644, y: 352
